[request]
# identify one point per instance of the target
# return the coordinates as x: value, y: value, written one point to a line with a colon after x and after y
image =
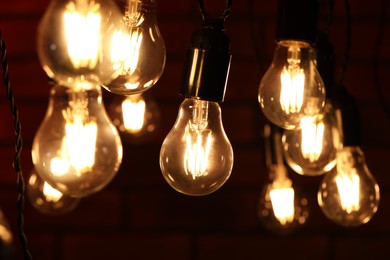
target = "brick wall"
x: 138, y: 216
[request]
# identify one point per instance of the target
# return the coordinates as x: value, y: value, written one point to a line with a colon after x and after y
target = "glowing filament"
x: 293, y: 82
x: 133, y: 112
x: 125, y: 51
x: 82, y: 29
x: 51, y: 194
x: 348, y: 186
x: 312, y: 135
x: 282, y: 200
x: 196, y: 158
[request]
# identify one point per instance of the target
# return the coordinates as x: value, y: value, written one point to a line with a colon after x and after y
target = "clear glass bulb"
x: 311, y: 150
x: 137, y: 116
x: 292, y: 88
x: 349, y: 194
x: 196, y: 157
x: 140, y: 49
x: 77, y: 149
x: 74, y: 45
x: 46, y: 199
x: 280, y: 208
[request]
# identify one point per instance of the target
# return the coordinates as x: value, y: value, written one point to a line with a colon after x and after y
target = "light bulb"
x: 311, y: 150
x: 136, y: 116
x: 77, y: 150
x: 46, y: 199
x: 6, y: 239
x: 139, y: 49
x: 196, y: 157
x: 292, y: 88
x: 280, y: 208
x: 75, y: 41
x: 349, y: 194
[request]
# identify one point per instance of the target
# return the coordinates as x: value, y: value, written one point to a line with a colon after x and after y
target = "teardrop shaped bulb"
x: 139, y: 48
x: 77, y: 149
x: 73, y: 41
x: 196, y: 157
x: 311, y: 150
x: 292, y: 88
x: 46, y: 199
x: 349, y: 194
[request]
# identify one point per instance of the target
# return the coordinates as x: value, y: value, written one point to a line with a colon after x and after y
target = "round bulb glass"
x: 292, y: 88
x: 77, y: 149
x: 196, y: 157
x: 74, y: 41
x: 311, y: 150
x: 46, y: 199
x: 349, y: 194
x: 139, y: 48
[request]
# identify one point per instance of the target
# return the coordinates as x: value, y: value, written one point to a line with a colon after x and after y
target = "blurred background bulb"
x: 196, y: 157
x: 137, y: 116
x: 77, y: 150
x: 280, y: 208
x: 46, y: 199
x: 349, y: 195
x: 292, y: 88
x: 139, y: 49
x: 6, y: 239
x: 73, y: 41
x: 311, y: 150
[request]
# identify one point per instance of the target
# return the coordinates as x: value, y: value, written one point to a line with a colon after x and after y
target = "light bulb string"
x: 224, y: 15
x: 18, y: 147
x: 376, y: 54
x: 348, y: 32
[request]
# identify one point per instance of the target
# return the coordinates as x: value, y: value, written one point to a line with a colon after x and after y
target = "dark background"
x: 138, y: 216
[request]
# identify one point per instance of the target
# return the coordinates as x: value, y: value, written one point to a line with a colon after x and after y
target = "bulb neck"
x: 297, y: 20
x: 207, y: 63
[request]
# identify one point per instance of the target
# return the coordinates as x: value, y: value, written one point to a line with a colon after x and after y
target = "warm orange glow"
x: 293, y: 82
x: 312, y: 133
x: 282, y: 200
x: 133, y: 111
x: 82, y: 29
x: 348, y: 185
x: 51, y: 194
x: 196, y: 159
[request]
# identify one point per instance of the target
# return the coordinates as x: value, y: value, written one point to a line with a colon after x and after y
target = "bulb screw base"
x: 207, y: 63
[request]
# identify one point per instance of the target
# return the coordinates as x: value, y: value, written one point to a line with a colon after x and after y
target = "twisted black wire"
x: 376, y: 53
x: 347, y: 42
x: 18, y: 148
x: 225, y: 14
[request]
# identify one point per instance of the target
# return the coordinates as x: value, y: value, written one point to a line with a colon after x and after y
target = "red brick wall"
x: 138, y: 216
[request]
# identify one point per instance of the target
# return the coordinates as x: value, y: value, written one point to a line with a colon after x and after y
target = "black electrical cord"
x: 223, y: 17
x: 347, y: 42
x: 376, y: 54
x: 18, y: 147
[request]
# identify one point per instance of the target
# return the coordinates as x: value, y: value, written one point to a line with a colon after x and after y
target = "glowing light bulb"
x: 137, y: 116
x: 280, y: 208
x: 349, y: 194
x: 77, y: 150
x: 196, y: 157
x: 292, y: 88
x: 72, y: 41
x: 139, y: 49
x: 46, y: 199
x: 311, y: 150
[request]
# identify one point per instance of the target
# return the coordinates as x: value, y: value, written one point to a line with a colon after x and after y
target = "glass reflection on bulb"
x: 139, y: 50
x: 72, y: 41
x: 349, y: 194
x: 137, y: 116
x: 46, y: 199
x: 77, y: 150
x: 7, y: 247
x: 196, y: 157
x: 280, y: 208
x: 311, y: 150
x: 292, y: 88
